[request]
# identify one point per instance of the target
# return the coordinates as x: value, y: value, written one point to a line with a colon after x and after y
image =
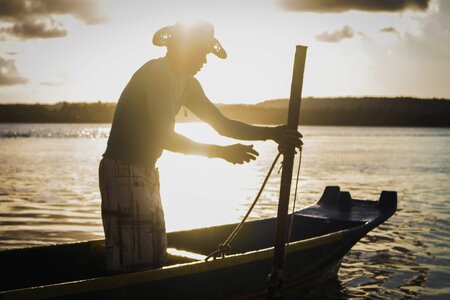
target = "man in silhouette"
x: 143, y: 127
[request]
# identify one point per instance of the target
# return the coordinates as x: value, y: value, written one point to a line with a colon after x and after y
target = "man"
x: 143, y: 127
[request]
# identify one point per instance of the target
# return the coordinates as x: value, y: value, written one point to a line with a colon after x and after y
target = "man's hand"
x: 282, y: 135
x: 237, y: 153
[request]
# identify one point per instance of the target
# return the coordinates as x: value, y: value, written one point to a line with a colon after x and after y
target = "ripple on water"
x: 49, y: 194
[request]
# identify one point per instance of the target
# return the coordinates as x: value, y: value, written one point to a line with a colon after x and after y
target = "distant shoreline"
x: 367, y: 111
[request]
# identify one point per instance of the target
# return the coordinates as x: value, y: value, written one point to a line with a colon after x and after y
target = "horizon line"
x: 234, y: 103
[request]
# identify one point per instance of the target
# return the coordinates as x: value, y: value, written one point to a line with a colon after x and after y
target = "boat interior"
x: 33, y: 266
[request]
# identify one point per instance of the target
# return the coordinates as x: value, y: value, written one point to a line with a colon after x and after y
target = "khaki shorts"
x: 133, y: 217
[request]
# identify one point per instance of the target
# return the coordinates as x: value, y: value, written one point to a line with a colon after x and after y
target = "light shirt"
x: 146, y: 110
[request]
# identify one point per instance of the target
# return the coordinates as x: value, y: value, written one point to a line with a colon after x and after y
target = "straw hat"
x: 190, y: 32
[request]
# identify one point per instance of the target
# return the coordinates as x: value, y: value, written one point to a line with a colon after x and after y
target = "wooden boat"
x: 321, y: 235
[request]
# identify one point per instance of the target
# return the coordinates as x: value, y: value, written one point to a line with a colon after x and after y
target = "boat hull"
x: 322, y: 234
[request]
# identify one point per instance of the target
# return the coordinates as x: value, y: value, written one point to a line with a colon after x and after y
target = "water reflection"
x: 49, y: 193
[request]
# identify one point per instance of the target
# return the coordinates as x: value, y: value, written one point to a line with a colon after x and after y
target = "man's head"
x: 188, y: 44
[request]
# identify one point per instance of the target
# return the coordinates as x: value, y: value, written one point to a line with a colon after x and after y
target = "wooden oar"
x: 275, y: 284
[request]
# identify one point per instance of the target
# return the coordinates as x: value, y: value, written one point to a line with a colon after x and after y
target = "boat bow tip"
x: 388, y: 200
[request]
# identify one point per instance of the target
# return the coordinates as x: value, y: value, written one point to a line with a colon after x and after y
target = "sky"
x: 87, y: 50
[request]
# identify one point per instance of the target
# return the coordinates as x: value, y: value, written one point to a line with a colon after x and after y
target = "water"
x: 49, y: 194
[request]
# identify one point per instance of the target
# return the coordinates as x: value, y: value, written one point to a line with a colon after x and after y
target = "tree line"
x: 366, y: 111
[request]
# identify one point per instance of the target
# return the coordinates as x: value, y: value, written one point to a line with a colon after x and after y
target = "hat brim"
x: 218, y: 50
x: 163, y: 35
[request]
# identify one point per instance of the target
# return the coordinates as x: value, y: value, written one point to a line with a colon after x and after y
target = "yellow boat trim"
x: 105, y: 283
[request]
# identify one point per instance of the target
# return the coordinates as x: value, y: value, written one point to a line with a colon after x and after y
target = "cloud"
x: 336, y: 36
x: 35, y: 19
x: 50, y: 83
x: 30, y: 30
x: 339, y: 6
x: 61, y: 79
x: 389, y: 29
x: 19, y: 10
x: 9, y: 74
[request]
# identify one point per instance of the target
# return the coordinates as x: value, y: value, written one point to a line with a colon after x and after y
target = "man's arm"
x: 201, y: 106
x: 237, y: 153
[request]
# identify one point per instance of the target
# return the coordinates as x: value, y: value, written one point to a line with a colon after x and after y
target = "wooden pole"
x: 275, y: 284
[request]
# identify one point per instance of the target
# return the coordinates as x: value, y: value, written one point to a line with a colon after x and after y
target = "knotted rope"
x: 225, y: 248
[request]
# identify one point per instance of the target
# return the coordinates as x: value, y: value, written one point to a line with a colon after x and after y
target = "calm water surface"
x: 49, y: 194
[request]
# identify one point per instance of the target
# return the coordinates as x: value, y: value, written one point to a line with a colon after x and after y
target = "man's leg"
x: 131, y: 213
x: 159, y: 226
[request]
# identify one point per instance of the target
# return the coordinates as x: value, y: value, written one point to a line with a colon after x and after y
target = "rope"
x: 291, y: 223
x: 225, y: 247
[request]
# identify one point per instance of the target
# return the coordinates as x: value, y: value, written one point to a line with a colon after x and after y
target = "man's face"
x: 196, y: 61
x: 191, y: 58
